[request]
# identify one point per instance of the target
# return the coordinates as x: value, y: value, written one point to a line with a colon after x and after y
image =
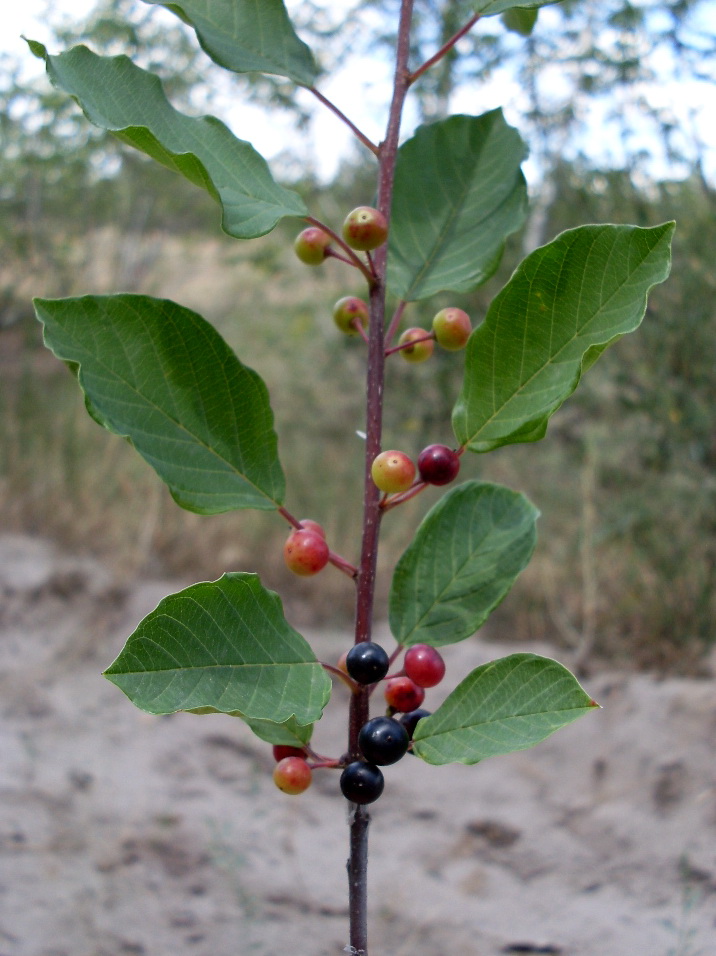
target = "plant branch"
x: 344, y: 119
x: 395, y: 321
x: 352, y: 257
x: 375, y: 376
x: 445, y: 48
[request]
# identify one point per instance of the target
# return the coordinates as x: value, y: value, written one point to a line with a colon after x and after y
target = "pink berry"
x: 284, y: 750
x: 438, y: 464
x: 403, y: 694
x: 349, y: 313
x: 419, y: 352
x: 393, y: 471
x: 424, y: 665
x: 452, y: 328
x: 365, y: 228
x: 305, y: 553
x: 292, y: 775
x: 311, y: 245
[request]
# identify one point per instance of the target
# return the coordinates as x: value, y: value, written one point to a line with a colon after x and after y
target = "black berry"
x: 438, y: 464
x: 410, y: 721
x: 362, y: 782
x: 367, y: 662
x: 383, y: 740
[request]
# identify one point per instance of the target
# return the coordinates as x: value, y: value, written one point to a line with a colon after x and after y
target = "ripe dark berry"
x: 367, y: 662
x: 424, y: 665
x: 403, y: 695
x: 362, y: 782
x: 292, y: 775
x: 410, y: 721
x: 438, y: 464
x: 284, y: 750
x: 383, y: 741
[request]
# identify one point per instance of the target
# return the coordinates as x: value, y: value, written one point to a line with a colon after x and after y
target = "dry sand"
x: 127, y: 834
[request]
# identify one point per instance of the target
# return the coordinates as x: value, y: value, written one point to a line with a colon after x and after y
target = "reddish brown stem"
x: 344, y: 119
x: 358, y: 714
x: 445, y: 48
x: 406, y: 345
x: 353, y: 259
x: 394, y: 500
x: 395, y: 322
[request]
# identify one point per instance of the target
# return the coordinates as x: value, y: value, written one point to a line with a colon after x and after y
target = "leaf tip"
x: 592, y: 703
x: 36, y: 48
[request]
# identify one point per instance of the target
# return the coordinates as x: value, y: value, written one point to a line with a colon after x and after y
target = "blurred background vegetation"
x: 626, y: 478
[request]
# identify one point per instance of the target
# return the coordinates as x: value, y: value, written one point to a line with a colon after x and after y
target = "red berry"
x: 438, y: 464
x: 305, y: 553
x: 403, y: 695
x: 284, y: 750
x: 393, y: 471
x: 365, y: 228
x: 424, y: 665
x: 350, y: 312
x: 310, y: 245
x: 292, y: 775
x: 452, y: 329
x: 308, y: 525
x: 421, y: 350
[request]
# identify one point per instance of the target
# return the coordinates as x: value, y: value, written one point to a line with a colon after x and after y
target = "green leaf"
x: 465, y: 557
x: 565, y: 303
x: 520, y: 20
x: 161, y: 376
x: 459, y: 192
x: 489, y: 8
x: 287, y: 734
x: 507, y: 705
x: 223, y: 646
x: 120, y: 97
x: 248, y: 36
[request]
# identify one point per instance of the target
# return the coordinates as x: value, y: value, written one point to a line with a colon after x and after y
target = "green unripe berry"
x: 311, y: 245
x: 365, y: 228
x: 350, y: 312
x: 419, y: 352
x: 393, y: 472
x: 452, y: 329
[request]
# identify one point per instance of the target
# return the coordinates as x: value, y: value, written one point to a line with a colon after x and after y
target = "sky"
x: 329, y: 141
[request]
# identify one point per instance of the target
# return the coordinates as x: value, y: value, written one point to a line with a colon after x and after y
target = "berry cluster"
x: 382, y: 740
x: 394, y: 472
x: 365, y: 229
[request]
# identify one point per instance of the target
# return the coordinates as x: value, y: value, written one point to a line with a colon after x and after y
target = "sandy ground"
x: 127, y: 834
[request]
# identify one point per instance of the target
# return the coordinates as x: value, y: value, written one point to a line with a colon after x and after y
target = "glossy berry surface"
x: 403, y: 694
x: 284, y: 750
x: 362, y: 782
x: 307, y: 524
x: 350, y: 312
x: 418, y: 352
x: 367, y: 662
x: 393, y: 471
x: 305, y: 553
x: 383, y: 741
x: 365, y: 228
x: 424, y: 665
x: 292, y: 775
x: 410, y: 720
x: 452, y: 328
x: 310, y: 245
x: 438, y: 464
